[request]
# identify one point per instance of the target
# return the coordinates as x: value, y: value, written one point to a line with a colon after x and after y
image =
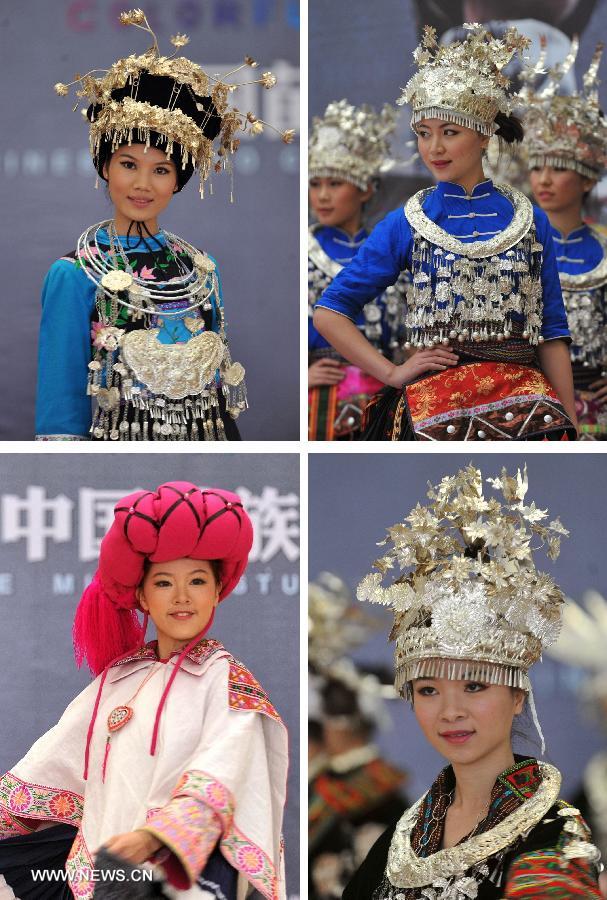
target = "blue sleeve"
x: 554, y: 317
x: 375, y: 267
x: 63, y: 409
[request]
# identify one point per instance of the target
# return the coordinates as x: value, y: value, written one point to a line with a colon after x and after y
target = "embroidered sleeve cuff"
x: 190, y: 829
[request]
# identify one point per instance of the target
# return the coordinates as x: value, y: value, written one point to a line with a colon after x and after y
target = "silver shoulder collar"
x: 522, y: 221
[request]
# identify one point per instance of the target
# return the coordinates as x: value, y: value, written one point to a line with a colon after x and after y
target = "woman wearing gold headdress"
x: 472, y: 614
x: 486, y: 324
x: 566, y: 141
x: 348, y: 147
x: 134, y: 316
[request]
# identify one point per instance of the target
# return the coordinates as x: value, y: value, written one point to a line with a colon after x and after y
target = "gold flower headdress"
x: 565, y: 131
x: 469, y: 602
x: 119, y: 115
x: 351, y: 142
x: 463, y: 81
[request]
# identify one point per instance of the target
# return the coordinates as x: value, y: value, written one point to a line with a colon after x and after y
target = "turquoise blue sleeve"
x: 63, y: 409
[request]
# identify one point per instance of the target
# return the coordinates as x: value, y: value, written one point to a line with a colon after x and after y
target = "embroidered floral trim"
x: 240, y: 852
x: 245, y: 692
x: 79, y: 867
x: 190, y: 829
x: 34, y: 801
x: 200, y: 652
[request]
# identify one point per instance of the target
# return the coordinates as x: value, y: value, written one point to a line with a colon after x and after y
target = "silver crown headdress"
x: 463, y: 81
x: 350, y: 142
x: 565, y: 131
x: 469, y: 602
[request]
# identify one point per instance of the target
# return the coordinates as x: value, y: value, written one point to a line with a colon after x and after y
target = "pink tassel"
x: 105, y: 756
x: 102, y: 630
x: 89, y: 735
x: 173, y: 675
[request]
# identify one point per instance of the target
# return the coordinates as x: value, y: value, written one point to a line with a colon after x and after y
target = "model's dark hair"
x: 215, y: 565
x: 338, y: 701
x: 510, y: 128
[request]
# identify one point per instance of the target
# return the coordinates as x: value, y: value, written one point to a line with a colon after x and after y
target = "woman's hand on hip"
x: 325, y: 372
x: 133, y: 846
x: 599, y: 387
x: 435, y: 360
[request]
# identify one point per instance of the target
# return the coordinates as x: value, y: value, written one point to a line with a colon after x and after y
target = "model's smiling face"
x: 451, y: 152
x: 180, y: 597
x: 338, y: 203
x: 141, y: 183
x: 466, y: 721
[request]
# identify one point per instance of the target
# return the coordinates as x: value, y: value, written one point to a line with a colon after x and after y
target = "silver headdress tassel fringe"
x: 351, y: 143
x: 464, y: 81
x: 469, y: 602
x: 565, y: 131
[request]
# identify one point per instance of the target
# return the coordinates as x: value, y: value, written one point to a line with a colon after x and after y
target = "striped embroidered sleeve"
x: 189, y: 829
x: 542, y: 874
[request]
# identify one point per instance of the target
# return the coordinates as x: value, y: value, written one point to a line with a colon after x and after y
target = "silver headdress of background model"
x: 463, y: 81
x: 565, y: 131
x: 336, y: 627
x: 351, y: 143
x: 469, y: 602
x: 583, y: 643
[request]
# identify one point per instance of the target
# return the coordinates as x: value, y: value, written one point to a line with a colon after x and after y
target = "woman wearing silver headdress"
x: 348, y: 147
x: 566, y: 142
x: 472, y: 614
x: 486, y: 324
x: 134, y: 317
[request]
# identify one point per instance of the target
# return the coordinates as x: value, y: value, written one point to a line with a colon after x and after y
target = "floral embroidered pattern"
x: 190, y: 828
x: 240, y: 852
x: 245, y: 692
x: 198, y: 654
x: 36, y: 801
x: 79, y: 867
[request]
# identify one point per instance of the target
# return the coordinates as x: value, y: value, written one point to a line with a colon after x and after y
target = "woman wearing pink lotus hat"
x: 174, y: 757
